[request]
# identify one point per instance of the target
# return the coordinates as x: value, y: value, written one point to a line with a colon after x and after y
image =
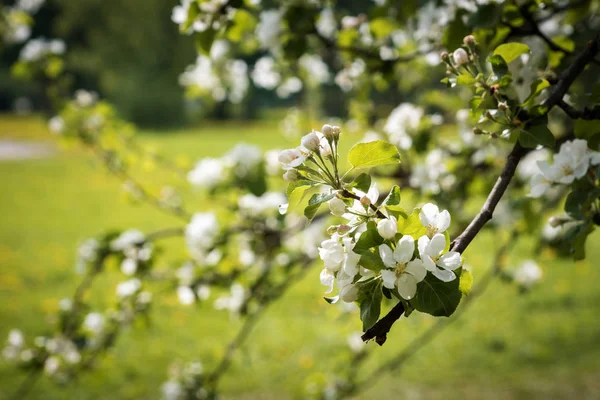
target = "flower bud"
x: 555, y: 222
x: 469, y: 40
x: 336, y: 131
x: 343, y: 229
x: 444, y: 56
x: 291, y: 175
x: 502, y: 106
x: 337, y: 207
x: 365, y: 201
x: 387, y: 227
x: 311, y: 141
x: 327, y: 131
x: 332, y: 229
x: 460, y: 56
x: 477, y: 131
x: 325, y: 149
x: 287, y: 156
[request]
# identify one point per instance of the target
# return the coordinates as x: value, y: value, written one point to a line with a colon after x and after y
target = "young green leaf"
x: 393, y: 198
x: 510, y: 51
x: 369, y: 299
x: 370, y: 238
x: 362, y: 182
x: 372, y: 154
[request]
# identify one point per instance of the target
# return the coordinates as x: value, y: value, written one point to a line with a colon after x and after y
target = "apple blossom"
x: 460, y: 56
x: 440, y: 265
x: 402, y: 273
x: 388, y: 227
x: 434, y: 220
x: 337, y: 207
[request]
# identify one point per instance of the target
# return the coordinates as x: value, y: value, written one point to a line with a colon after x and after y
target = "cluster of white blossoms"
x: 135, y: 249
x: 406, y: 260
x: 528, y: 274
x: 37, y: 49
x: 183, y: 380
x: 402, y: 123
x: 432, y: 175
x: 238, y: 163
x: 200, y: 235
x: 204, y: 19
x: 572, y: 162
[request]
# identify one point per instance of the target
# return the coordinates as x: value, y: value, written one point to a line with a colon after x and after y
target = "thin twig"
x: 28, y: 383
x: 587, y: 113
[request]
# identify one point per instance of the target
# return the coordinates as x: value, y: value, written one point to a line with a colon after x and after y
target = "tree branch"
x: 380, y: 329
x: 587, y: 113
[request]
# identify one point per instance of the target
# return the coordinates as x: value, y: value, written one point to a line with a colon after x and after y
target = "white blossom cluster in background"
x: 39, y: 48
x: 528, y: 274
x: 238, y: 163
x: 403, y: 121
x: 572, y: 162
x: 185, y: 381
x: 204, y: 20
x: 17, y: 20
x: 432, y: 175
x: 135, y: 249
x: 222, y: 79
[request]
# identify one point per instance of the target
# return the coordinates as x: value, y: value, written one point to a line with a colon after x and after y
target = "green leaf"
x: 499, y: 66
x: 437, y: 298
x: 412, y: 225
x: 510, y: 51
x: 369, y: 298
x: 465, y: 79
x: 585, y: 129
x: 296, y: 184
x: 466, y: 282
x: 393, y: 198
x: 315, y: 202
x: 535, y: 135
x: 204, y: 40
x: 368, y: 239
x: 371, y: 260
x: 579, y: 203
x: 579, y: 239
x: 298, y: 196
x: 372, y: 154
x: 382, y: 27
x: 535, y: 89
x: 362, y: 182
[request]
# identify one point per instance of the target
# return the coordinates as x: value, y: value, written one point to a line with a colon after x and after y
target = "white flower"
x: 56, y: 125
x: 52, y: 365
x: 292, y: 158
x: 402, y: 122
x: 327, y: 278
x: 15, y: 338
x: 539, y: 186
x: 337, y: 206
x: 94, y: 323
x: 460, y: 56
x: 203, y: 292
x: 129, y: 266
x: 268, y: 29
x: 349, y: 293
x: 207, y: 173
x: 315, y: 68
x: 127, y: 239
x: 256, y: 205
x: 311, y: 141
x: 200, y: 234
x: 434, y: 220
x: 431, y: 251
x: 528, y: 274
x: 233, y: 302
x: 326, y: 24
x: 355, y: 342
x: 388, y: 227
x: 265, y: 74
x: 128, y: 288
x: 172, y: 390
x: 332, y: 254
x: 403, y: 273
x: 84, y: 98
x: 186, y: 295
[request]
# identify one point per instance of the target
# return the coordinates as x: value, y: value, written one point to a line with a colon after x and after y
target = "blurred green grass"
x: 545, y: 344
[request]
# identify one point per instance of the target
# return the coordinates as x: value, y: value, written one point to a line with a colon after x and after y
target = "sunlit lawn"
x: 545, y: 344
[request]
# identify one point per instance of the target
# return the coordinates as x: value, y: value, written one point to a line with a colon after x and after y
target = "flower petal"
x: 428, y: 263
x: 407, y: 286
x: 416, y: 269
x: 437, y: 245
x: 444, y: 275
x: 422, y: 244
x: 428, y: 214
x: 387, y: 256
x: 404, y: 249
x: 450, y: 260
x: 389, y: 278
x: 443, y: 221
x: 327, y: 279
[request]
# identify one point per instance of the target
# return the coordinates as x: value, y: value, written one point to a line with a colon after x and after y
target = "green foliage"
x: 372, y: 154
x: 369, y: 300
x: 437, y: 298
x: 510, y: 51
